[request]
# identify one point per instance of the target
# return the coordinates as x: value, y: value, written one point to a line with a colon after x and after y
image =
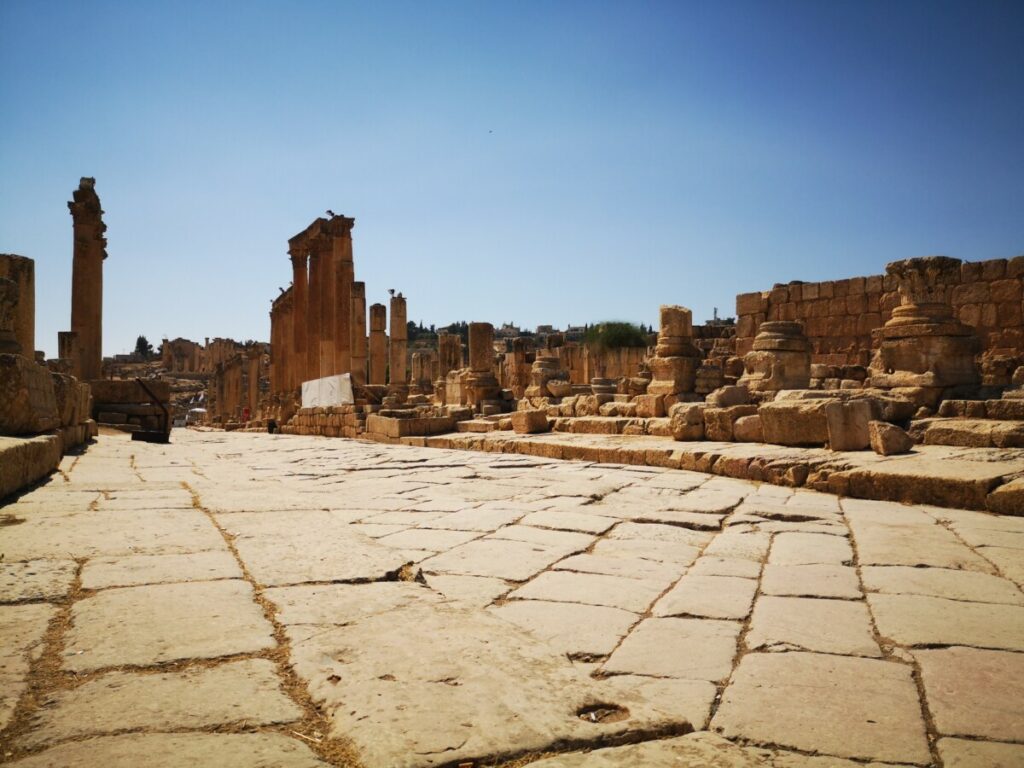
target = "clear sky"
x: 535, y: 162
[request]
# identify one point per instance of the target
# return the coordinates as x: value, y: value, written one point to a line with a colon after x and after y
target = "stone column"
x: 314, y: 316
x: 378, y: 344
x: 87, y: 279
x: 23, y: 272
x: 254, y: 380
x: 345, y: 275
x: 300, y: 302
x: 676, y: 359
x: 482, y: 383
x: 327, y: 268
x: 399, y: 345
x: 358, y: 334
x: 780, y: 358
x: 9, y: 343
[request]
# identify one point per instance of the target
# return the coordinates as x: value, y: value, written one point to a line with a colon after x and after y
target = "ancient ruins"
x: 793, y: 540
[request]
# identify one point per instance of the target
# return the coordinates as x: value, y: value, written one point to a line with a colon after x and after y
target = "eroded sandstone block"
x: 28, y: 404
x: 530, y: 422
x: 888, y: 439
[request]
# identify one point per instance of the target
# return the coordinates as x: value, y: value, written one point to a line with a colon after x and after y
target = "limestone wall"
x: 839, y: 315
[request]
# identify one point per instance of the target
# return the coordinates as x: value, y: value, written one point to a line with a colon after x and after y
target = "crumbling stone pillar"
x: 314, y: 316
x: 255, y: 354
x: 424, y: 366
x: 399, y: 343
x: 482, y: 383
x: 378, y: 344
x: 674, y: 365
x: 340, y: 228
x: 780, y: 358
x: 300, y: 311
x: 87, y: 279
x: 323, y: 255
x: 9, y: 342
x: 358, y: 333
x: 517, y: 367
x: 924, y: 349
x: 22, y: 271
x: 449, y: 358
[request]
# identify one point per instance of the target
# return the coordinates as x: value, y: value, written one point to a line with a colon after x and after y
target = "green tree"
x: 613, y: 334
x: 143, y: 349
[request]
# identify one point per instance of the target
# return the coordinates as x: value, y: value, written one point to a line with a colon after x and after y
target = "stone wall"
x: 839, y: 315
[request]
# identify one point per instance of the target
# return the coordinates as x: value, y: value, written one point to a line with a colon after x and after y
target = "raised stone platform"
x: 24, y: 460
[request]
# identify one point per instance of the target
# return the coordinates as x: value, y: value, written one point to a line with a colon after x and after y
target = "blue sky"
x: 535, y: 162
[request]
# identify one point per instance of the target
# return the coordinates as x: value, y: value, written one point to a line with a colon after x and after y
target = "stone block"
x: 718, y: 422
x: 747, y: 429
x: 795, y: 422
x: 650, y: 406
x: 848, y: 425
x: 993, y: 269
x: 750, y: 303
x: 129, y: 391
x: 28, y: 404
x: 530, y: 422
x: 1006, y: 290
x: 687, y: 421
x: 1015, y: 267
x: 24, y: 460
x: 727, y: 396
x: 888, y: 439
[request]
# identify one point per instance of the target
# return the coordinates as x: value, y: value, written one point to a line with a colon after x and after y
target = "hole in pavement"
x: 603, y: 713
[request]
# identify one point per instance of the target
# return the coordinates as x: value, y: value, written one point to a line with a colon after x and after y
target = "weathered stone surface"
x: 563, y: 520
x: 714, y: 597
x: 103, y: 572
x: 795, y: 422
x: 27, y: 401
x: 810, y: 581
x: 692, y: 649
x: 632, y: 567
x: 888, y: 439
x: 1007, y: 499
x: 662, y: 699
x: 530, y: 422
x: 474, y: 590
x: 975, y: 693
x: 826, y: 626
x: 810, y: 549
x: 24, y: 460
x: 500, y: 558
x: 571, y: 628
x: 170, y: 750
x: 915, y: 620
x: 912, y: 544
x: 723, y: 566
x: 165, y: 622
x: 941, y: 582
x: 697, y: 749
x: 629, y: 594
x: 35, y: 579
x: 21, y: 635
x: 832, y: 705
x: 962, y: 753
x: 241, y: 691
x: 848, y: 425
x: 748, y: 429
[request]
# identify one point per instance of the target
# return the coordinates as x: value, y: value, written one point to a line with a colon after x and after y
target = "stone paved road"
x: 249, y: 600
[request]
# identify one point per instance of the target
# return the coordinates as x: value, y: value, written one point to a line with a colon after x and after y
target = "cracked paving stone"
x: 713, y: 597
x: 630, y: 567
x: 36, y: 579
x: 663, y: 698
x: 658, y: 532
x: 845, y: 706
x: 327, y: 604
x: 473, y: 590
x: 571, y: 628
x: 432, y: 540
x: 692, y: 649
x: 499, y: 558
x: 913, y: 545
x: 592, y: 589
x: 835, y: 581
x: 302, y: 547
x: 563, y: 541
x: 471, y: 685
x: 21, y: 641
x: 812, y: 624
x: 569, y: 521
x: 915, y: 620
x: 656, y: 551
x: 242, y: 691
x: 962, y: 753
x: 810, y: 549
x: 977, y: 693
x: 725, y: 566
x: 739, y: 546
x: 165, y: 622
x: 941, y: 582
x: 484, y: 519
x: 172, y: 750
x: 135, y: 570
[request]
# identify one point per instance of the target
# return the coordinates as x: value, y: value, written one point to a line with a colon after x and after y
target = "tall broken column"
x: 22, y: 271
x: 300, y: 300
x: 358, y: 334
x: 254, y: 353
x: 482, y: 383
x: 314, y: 315
x: 340, y: 228
x: 676, y: 359
x: 378, y: 344
x: 399, y: 344
x: 323, y: 248
x: 90, y: 249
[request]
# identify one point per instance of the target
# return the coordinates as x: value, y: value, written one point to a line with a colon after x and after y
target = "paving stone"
x: 656, y: 551
x: 722, y: 566
x: 962, y: 753
x: 111, y: 532
x: 473, y: 590
x: 562, y: 541
x: 631, y: 567
x: 165, y: 622
x: 1008, y: 561
x: 974, y: 693
x: 345, y: 603
x: 22, y: 628
x: 914, y: 545
x: 811, y: 624
x: 658, y: 699
x: 499, y: 558
x: 629, y: 594
x: 569, y: 521
x: 171, y: 750
x: 483, y: 519
x: 831, y: 705
x: 714, y: 597
x: 692, y: 649
x: 739, y: 546
x: 655, y: 532
x: 911, y: 620
x: 580, y: 631
x: 810, y: 581
x: 133, y: 570
x: 303, y: 547
x: 941, y: 582
x: 36, y: 579
x: 431, y: 540
x: 470, y: 685
x: 242, y: 691
x: 810, y: 549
